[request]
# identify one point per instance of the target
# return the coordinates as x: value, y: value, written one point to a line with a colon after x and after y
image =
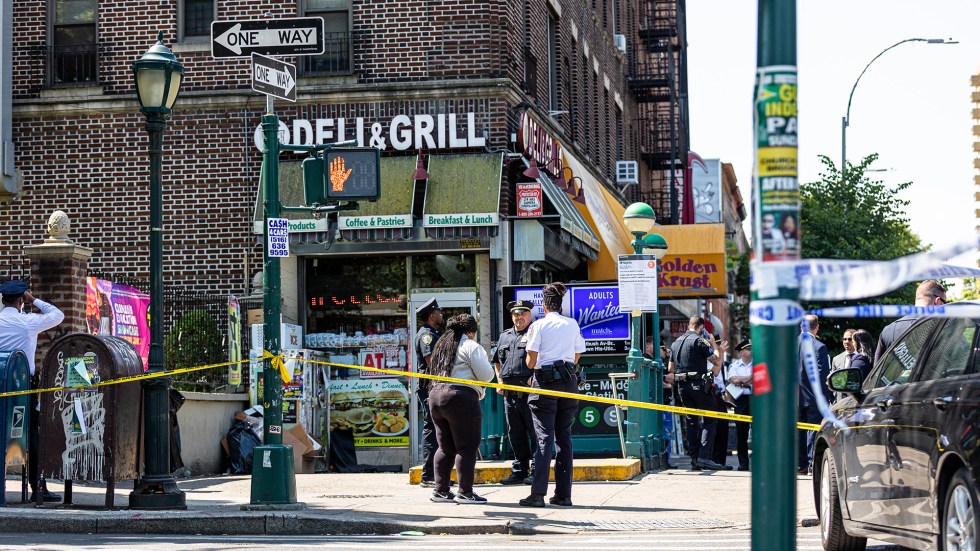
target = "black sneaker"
x: 440, y: 497
x: 469, y: 499
x: 562, y: 501
x: 529, y: 480
x: 533, y: 500
x: 514, y: 478
x: 427, y: 484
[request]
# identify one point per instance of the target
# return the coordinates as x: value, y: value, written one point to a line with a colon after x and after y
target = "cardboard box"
x: 255, y: 316
x: 305, y: 449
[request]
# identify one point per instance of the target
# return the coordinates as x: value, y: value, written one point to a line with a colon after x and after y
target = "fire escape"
x: 658, y: 80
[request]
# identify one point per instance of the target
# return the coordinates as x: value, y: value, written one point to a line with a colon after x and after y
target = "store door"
x: 452, y: 302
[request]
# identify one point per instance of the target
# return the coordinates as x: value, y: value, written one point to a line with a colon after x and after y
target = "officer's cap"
x: 520, y: 306
x: 14, y: 288
x: 747, y: 343
x: 423, y: 311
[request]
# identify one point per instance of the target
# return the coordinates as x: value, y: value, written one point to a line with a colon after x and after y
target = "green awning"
x: 463, y: 190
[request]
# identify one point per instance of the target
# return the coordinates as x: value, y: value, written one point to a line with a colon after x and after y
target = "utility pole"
x: 776, y: 315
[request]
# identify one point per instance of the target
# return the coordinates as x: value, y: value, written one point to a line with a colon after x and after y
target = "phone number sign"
x: 277, y: 237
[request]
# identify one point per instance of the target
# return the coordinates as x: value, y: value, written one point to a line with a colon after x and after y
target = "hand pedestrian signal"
x: 338, y: 175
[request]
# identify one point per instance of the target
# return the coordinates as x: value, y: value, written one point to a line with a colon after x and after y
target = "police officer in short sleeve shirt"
x: 509, y: 359
x: 425, y: 341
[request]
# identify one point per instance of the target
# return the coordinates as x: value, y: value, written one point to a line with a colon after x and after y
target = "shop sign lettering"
x: 374, y: 222
x: 692, y: 275
x: 472, y: 219
x: 536, y: 142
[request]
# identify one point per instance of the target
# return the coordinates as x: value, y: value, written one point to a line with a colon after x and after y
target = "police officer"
x: 509, y: 362
x: 554, y: 345
x: 690, y: 355
x: 425, y: 341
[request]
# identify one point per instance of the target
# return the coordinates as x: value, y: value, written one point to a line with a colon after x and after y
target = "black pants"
x: 520, y: 426
x: 722, y: 426
x: 429, y: 443
x: 33, y: 437
x: 700, y: 430
x: 808, y: 414
x: 553, y: 418
x: 457, y: 417
x: 742, y: 407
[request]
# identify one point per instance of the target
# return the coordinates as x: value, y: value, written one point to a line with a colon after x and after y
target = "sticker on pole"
x: 761, y: 384
x: 277, y: 237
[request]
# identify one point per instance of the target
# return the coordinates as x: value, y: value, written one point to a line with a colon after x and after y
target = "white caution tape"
x: 850, y: 280
x: 952, y: 310
x: 780, y: 311
x: 809, y: 358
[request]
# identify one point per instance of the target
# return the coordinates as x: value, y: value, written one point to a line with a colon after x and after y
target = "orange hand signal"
x: 338, y: 175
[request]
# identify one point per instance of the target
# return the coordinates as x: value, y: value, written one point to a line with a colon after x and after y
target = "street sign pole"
x: 775, y: 197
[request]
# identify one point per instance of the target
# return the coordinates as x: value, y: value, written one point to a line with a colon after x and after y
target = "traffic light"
x: 353, y: 174
x: 313, y: 183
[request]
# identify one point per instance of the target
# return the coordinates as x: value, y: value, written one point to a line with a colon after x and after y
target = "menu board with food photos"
x: 376, y: 410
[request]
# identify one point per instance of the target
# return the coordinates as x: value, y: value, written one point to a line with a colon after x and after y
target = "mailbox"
x: 14, y: 376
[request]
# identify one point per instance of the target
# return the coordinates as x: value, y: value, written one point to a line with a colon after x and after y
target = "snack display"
x: 389, y: 424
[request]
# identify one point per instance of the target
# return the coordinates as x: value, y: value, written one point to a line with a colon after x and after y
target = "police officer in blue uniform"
x: 690, y: 356
x: 509, y: 360
x: 430, y: 315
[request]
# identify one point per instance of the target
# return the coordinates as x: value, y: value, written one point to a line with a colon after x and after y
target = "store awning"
x: 388, y: 218
x: 694, y: 266
x: 575, y: 230
x: 462, y: 196
x: 603, y: 213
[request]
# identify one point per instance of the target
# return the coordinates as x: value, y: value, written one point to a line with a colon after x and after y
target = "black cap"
x: 747, y: 343
x: 423, y: 311
x: 14, y: 288
x: 518, y: 305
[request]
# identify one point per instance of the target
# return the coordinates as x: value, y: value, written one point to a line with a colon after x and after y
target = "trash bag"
x: 241, y: 443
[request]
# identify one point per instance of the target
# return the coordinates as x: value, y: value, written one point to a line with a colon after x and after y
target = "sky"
x: 913, y: 106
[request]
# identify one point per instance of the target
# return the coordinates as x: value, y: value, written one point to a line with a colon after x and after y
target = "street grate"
x: 625, y: 525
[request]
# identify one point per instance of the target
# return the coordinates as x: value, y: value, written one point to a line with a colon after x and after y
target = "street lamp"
x: 846, y: 119
x: 158, y: 75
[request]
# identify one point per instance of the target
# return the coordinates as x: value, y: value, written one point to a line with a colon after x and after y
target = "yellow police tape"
x: 278, y: 363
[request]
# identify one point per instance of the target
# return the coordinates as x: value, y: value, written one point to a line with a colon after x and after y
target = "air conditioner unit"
x: 619, y: 41
x: 627, y: 172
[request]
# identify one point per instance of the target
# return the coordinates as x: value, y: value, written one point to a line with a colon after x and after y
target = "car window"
x: 949, y: 354
x: 897, y: 366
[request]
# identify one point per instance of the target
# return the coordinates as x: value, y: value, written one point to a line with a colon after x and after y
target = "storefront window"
x: 443, y: 271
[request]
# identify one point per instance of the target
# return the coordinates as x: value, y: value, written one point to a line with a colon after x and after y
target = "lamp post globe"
x: 639, y: 218
x: 157, y: 76
x: 655, y: 244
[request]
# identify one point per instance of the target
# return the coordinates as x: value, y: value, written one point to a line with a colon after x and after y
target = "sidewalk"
x: 388, y: 504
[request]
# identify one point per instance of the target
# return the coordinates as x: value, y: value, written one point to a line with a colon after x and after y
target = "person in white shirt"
x: 19, y: 331
x: 740, y: 378
x: 554, y: 346
x: 455, y: 408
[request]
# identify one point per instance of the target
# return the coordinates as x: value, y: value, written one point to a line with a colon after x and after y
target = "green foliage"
x: 194, y: 340
x: 855, y: 217
x: 738, y: 310
x: 971, y: 289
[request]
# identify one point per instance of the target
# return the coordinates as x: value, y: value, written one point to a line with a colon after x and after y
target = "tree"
x: 854, y: 217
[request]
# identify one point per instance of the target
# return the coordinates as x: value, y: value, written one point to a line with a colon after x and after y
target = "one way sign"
x: 273, y: 77
x: 294, y: 36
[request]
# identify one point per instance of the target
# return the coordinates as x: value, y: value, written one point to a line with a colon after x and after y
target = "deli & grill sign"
x: 536, y: 142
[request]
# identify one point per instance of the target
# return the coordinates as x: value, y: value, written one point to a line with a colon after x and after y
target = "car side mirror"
x: 847, y: 380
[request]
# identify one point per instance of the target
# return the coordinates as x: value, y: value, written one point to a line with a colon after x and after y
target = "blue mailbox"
x: 14, y: 376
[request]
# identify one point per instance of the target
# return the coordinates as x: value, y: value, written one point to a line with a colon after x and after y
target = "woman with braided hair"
x: 554, y: 345
x: 455, y: 408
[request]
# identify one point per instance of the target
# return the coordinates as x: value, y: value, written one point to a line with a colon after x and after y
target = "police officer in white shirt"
x: 740, y: 378
x: 553, y: 348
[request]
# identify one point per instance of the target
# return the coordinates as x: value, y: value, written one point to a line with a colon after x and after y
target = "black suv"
x: 904, y: 466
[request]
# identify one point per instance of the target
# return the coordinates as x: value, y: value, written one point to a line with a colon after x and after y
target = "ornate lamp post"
x: 158, y: 75
x: 655, y: 244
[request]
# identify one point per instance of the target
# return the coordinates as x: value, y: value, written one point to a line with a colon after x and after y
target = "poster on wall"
x: 376, y: 410
x: 776, y: 189
x: 706, y: 189
x: 234, y: 342
x: 120, y: 311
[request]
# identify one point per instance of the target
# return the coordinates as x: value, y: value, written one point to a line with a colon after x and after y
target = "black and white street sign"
x: 295, y: 36
x: 273, y: 77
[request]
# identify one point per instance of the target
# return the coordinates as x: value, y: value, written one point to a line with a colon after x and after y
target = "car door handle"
x: 942, y: 402
x: 884, y: 403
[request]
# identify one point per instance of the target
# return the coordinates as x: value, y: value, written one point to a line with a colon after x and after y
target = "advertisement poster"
x: 120, y: 311
x: 376, y: 410
x: 389, y: 356
x: 777, y: 197
x: 594, y: 307
x: 234, y: 342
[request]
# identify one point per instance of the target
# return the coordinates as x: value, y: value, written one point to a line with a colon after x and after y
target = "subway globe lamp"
x: 158, y: 75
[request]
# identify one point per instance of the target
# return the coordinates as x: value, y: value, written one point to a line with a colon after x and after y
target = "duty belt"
x: 689, y: 376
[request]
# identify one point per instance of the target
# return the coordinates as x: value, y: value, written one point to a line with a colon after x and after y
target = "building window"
x: 337, y: 38
x: 194, y: 18
x: 553, y: 62
x: 72, y: 53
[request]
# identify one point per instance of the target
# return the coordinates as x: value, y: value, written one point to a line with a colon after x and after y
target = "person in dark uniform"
x: 554, y: 345
x: 509, y: 362
x: 425, y: 342
x: 690, y: 355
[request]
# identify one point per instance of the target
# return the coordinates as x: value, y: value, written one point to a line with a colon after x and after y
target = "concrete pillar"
x: 58, y: 271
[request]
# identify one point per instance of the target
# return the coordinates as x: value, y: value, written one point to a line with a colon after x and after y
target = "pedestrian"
x: 929, y: 293
x: 554, y: 346
x: 690, y: 356
x: 863, y: 357
x: 19, y: 331
x: 740, y: 383
x: 455, y: 408
x: 510, y: 363
x: 843, y: 360
x: 809, y: 412
x: 722, y: 426
x: 425, y: 341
